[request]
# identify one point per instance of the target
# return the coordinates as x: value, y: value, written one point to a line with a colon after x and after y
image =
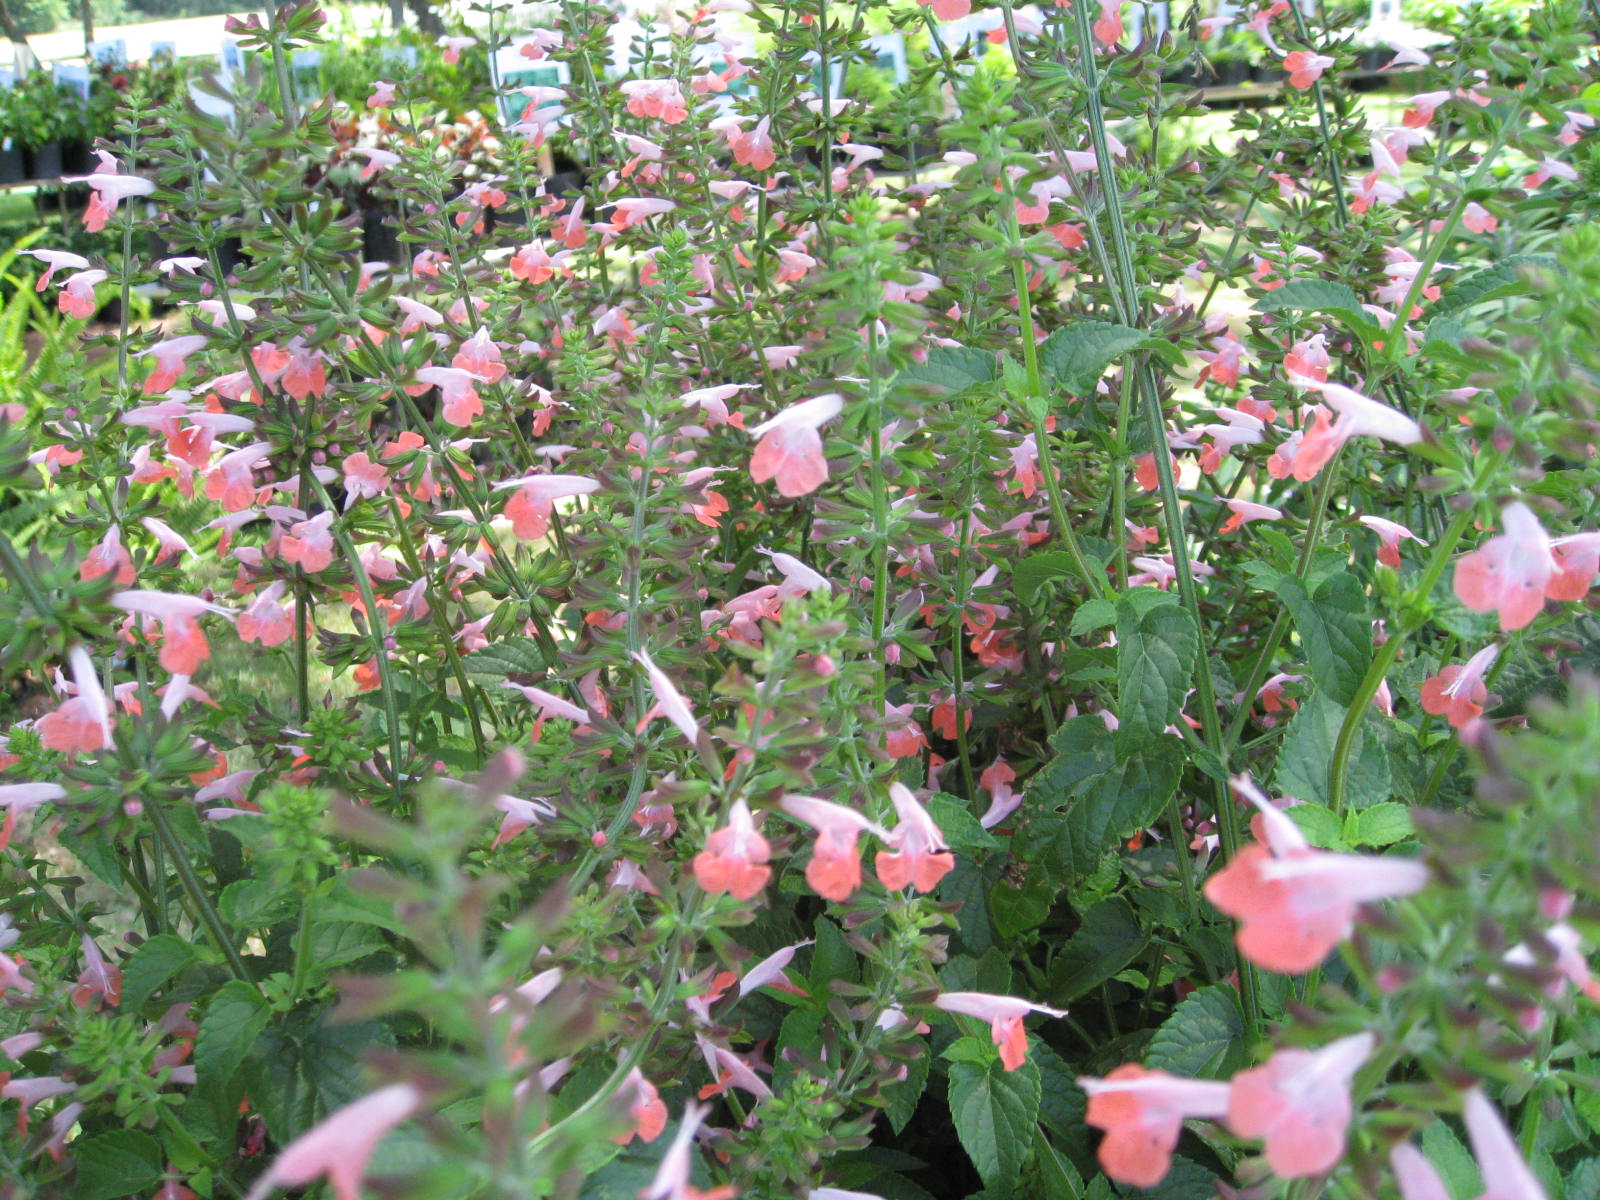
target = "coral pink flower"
x: 382, y: 94
x: 949, y: 10
x: 790, y: 448
x: 997, y: 779
x: 1295, y: 904
x: 55, y: 260
x: 110, y: 557
x: 1004, y: 1014
x: 1577, y: 563
x: 309, y: 543
x: 267, y: 621
x: 1509, y: 574
x: 1477, y: 219
x: 661, y: 98
x: 109, y: 190
x: 170, y: 355
x: 341, y: 1145
x: 646, y: 1110
x: 1422, y: 108
x: 229, y: 481
x: 669, y: 700
x: 917, y: 857
x: 530, y: 508
x: 76, y: 297
x: 1358, y: 415
x: 459, y: 398
x: 82, y: 724
x: 1390, y: 535
x: 1108, y: 26
x: 99, y: 978
x: 735, y: 857
x: 1298, y: 1102
x: 453, y: 46
x: 1458, y: 692
x: 834, y: 871
x: 183, y: 645
x: 671, y: 1180
x: 1245, y: 510
x: 1305, y: 68
x: 752, y: 149
x: 1142, y: 1113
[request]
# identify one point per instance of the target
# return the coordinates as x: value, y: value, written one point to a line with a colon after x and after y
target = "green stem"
x: 209, y: 917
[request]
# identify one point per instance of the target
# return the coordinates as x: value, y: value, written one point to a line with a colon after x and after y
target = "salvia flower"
x: 1142, y: 1113
x: 1458, y: 692
x: 834, y: 871
x: 917, y: 856
x: 735, y: 858
x: 790, y: 448
x: 1298, y: 1102
x: 341, y: 1145
x: 1505, y: 1175
x: 1004, y: 1014
x: 1514, y: 573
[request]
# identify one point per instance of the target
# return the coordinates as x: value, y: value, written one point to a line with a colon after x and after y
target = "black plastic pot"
x: 45, y: 161
x: 13, y: 164
x: 380, y: 237
x: 1232, y: 72
x: 75, y: 158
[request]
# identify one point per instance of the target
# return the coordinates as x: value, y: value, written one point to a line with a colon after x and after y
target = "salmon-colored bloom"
x: 1004, y: 1014
x: 183, y: 645
x: 659, y: 98
x: 790, y: 448
x: 170, y: 355
x: 1509, y: 574
x: 1390, y: 535
x: 834, y: 871
x: 646, y: 1110
x: 735, y: 858
x: 1246, y: 510
x: 1458, y: 692
x: 1305, y: 68
x: 309, y: 543
x: 1142, y: 1113
x: 1298, y: 1102
x: 341, y: 1145
x: 918, y: 856
x: 1295, y: 904
x: 669, y: 700
x: 533, y: 502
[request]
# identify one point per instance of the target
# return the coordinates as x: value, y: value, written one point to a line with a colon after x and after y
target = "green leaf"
x: 1203, y: 1038
x: 1092, y: 615
x: 1019, y: 906
x: 152, y: 965
x: 1308, y: 751
x: 253, y: 903
x: 1334, y: 628
x: 234, y: 1020
x: 1105, y: 802
x: 994, y: 1111
x: 1032, y: 573
x: 831, y: 958
x: 1157, y: 645
x: 1076, y: 355
x: 960, y: 827
x: 1061, y: 1100
x: 1316, y: 295
x: 1452, y: 1160
x: 493, y: 665
x: 307, y: 1068
x: 335, y: 943
x: 1505, y: 278
x: 1383, y: 825
x: 951, y: 369
x: 120, y: 1162
x: 96, y: 853
x: 903, y: 1097
x: 1321, y: 827
x: 1184, y: 1180
x: 1108, y: 940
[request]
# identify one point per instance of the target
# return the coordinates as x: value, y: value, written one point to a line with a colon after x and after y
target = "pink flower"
x: 1458, y: 692
x: 1422, y: 108
x: 1305, y: 68
x: 1295, y: 904
x: 1576, y: 122
x: 997, y: 779
x: 340, y: 1147
x: 1477, y: 219
x: 647, y: 1110
x: 631, y: 210
x: 309, y: 543
x: 229, y: 481
x: 267, y: 621
x: 109, y: 190
x: 660, y: 98
x: 790, y: 448
x: 183, y: 645
x: 382, y: 94
x: 1108, y: 26
x: 1509, y: 574
x: 76, y: 297
x: 1550, y: 168
x: 1299, y: 1103
x: 453, y: 46
x: 949, y: 10
x: 1390, y: 535
x: 530, y: 508
x: 671, y: 1180
x: 669, y: 700
x: 1004, y: 1014
x: 53, y: 261
x: 1245, y: 510
x: 752, y: 149
x: 1505, y: 1175
x: 834, y: 871
x: 918, y: 857
x: 1142, y: 1113
x: 1358, y: 415
x: 734, y: 860
x: 459, y: 398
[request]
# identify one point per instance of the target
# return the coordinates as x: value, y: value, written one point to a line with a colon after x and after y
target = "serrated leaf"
x: 1061, y: 1100
x: 1307, y: 753
x: 961, y: 829
x: 252, y: 903
x: 994, y: 1111
x: 1157, y: 645
x: 1092, y: 615
x: 306, y: 1069
x: 1017, y: 907
x: 1444, y: 335
x: 951, y: 369
x: 1184, y: 1180
x: 1108, y: 940
x: 1104, y: 802
x: 1076, y: 355
x: 1320, y: 826
x: 1452, y: 1160
x: 233, y: 1021
x: 1493, y: 283
x: 152, y: 965
x: 1383, y: 824
x: 120, y: 1162
x: 1032, y: 573
x: 493, y: 665
x: 336, y: 943
x: 1335, y: 630
x: 1203, y: 1038
x: 1316, y: 295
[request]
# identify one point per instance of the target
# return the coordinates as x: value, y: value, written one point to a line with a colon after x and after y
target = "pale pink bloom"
x: 417, y: 314
x: 453, y: 46
x: 382, y: 94
x: 519, y: 815
x: 1477, y: 219
x: 918, y: 856
x: 363, y: 478
x: 631, y: 210
x: 660, y: 98
x: 798, y: 579
x: 644, y: 152
x: 648, y: 1111
x: 1458, y: 692
x: 834, y: 871
x: 790, y: 448
x: 341, y: 1145
x: 1406, y: 56
x: 266, y: 620
x: 76, y: 297
x: 949, y: 10
x: 1298, y: 1102
x: 83, y: 723
x: 669, y: 700
x: 31, y: 1091
x: 1260, y: 23
x: 98, y: 979
x: 183, y: 645
x: 1305, y: 68
x: 1390, y: 535
x: 754, y: 148
x: 229, y: 481
x: 770, y: 971
x: 172, y: 542
x: 530, y: 508
x: 1245, y: 510
x: 735, y: 858
x: 19, y: 797
x: 109, y: 191
x: 1293, y: 903
x: 459, y: 398
x: 55, y: 260
x: 1423, y: 107
x: 671, y: 1180
x: 187, y: 263
x: 1576, y: 122
x: 996, y: 779
x: 309, y: 543
x: 1509, y: 574
x: 1358, y: 415
x: 733, y: 1071
x: 1142, y: 1113
x: 713, y: 401
x: 550, y: 705
x: 1550, y: 168
x: 109, y: 557
x: 377, y: 160
x: 1004, y: 1014
x: 779, y: 357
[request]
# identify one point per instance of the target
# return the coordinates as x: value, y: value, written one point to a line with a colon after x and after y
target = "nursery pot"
x: 380, y: 236
x: 75, y: 157
x: 13, y: 163
x: 46, y: 161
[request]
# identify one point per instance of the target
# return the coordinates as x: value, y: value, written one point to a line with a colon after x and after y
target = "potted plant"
x: 13, y: 162
x: 41, y: 119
